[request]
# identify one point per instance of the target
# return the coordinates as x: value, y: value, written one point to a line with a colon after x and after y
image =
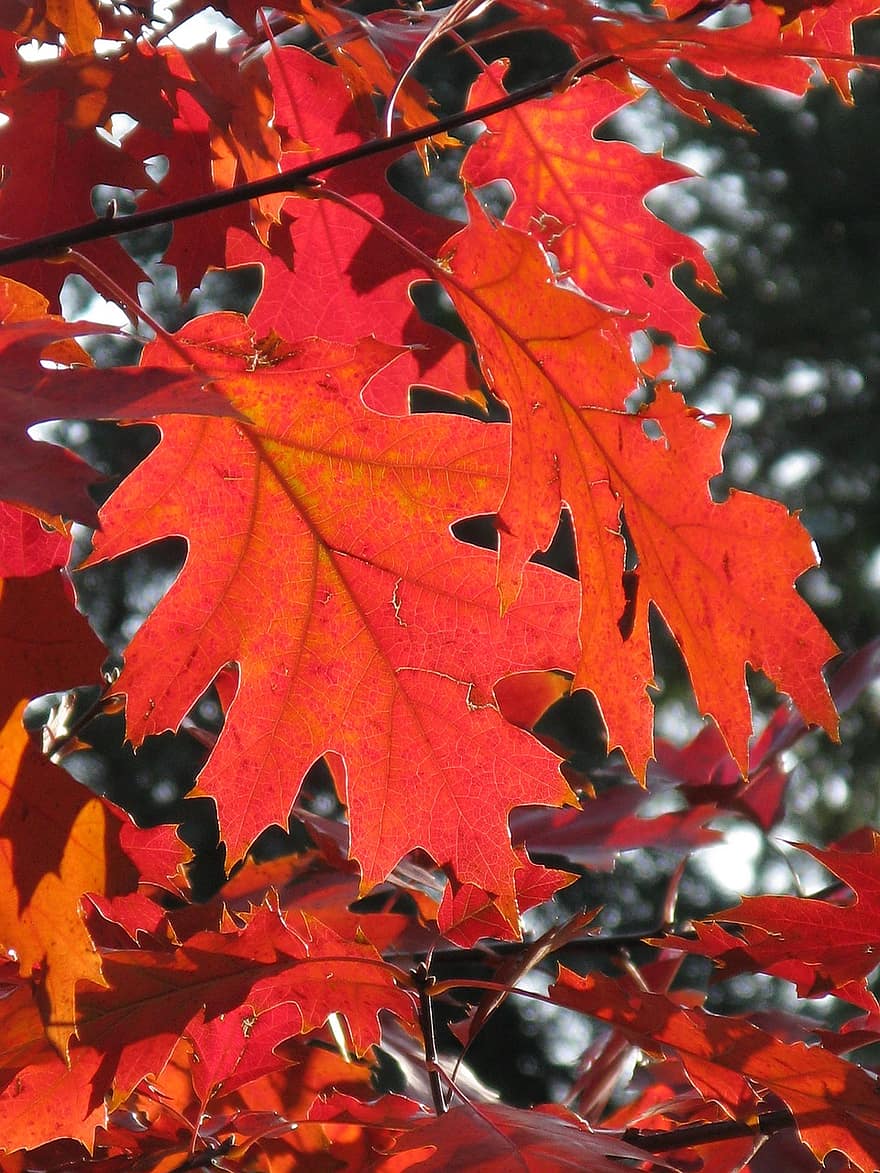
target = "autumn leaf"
x: 591, y: 195
x: 289, y: 974
x: 52, y: 647
x: 181, y: 134
x: 495, y: 1138
x: 237, y: 97
x: 708, y: 775
x: 332, y: 628
x: 46, y: 478
x: 330, y: 273
x: 829, y: 27
x: 561, y: 365
x: 87, y: 846
x: 38, y: 141
x: 320, y: 527
x: 467, y: 913
x: 78, y: 20
x: 366, y: 69
x: 29, y: 545
x: 820, y: 945
x: 753, y: 51
x: 594, y: 836
x: 43, y: 1097
x: 834, y: 1103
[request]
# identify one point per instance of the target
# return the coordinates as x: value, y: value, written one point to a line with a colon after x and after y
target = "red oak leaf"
x: 320, y: 561
x: 467, y: 914
x: 217, y: 987
x: 46, y: 478
x: 43, y: 1097
x: 245, y: 145
x: 46, y: 20
x: 358, y: 52
x: 562, y: 366
x: 494, y: 1138
x: 39, y: 141
x: 86, y: 844
x: 182, y: 135
x: 834, y: 1103
x: 753, y: 51
x: 820, y: 945
x: 28, y: 545
x: 590, y: 194
x: 52, y: 647
x: 610, y: 824
x: 707, y: 774
x: 349, y: 280
x: 828, y: 28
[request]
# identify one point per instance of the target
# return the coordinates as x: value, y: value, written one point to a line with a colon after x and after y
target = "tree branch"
x: 424, y: 983
x: 656, y: 1141
x: 55, y: 243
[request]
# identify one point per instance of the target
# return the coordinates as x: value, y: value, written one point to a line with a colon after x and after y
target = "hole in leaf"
x: 477, y: 531
x: 427, y: 401
x: 561, y: 554
x: 627, y: 620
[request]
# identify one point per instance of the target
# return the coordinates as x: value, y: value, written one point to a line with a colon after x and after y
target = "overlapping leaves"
x: 561, y: 364
x: 325, y: 595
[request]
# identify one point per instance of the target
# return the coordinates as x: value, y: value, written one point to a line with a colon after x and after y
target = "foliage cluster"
x: 380, y: 677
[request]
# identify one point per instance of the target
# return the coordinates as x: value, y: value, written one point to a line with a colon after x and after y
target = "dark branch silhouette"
x: 686, y: 1135
x: 56, y: 243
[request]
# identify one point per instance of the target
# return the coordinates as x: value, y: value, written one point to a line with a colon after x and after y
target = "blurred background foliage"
x: 790, y: 218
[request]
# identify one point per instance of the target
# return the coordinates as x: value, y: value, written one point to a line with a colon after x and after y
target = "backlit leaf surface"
x: 352, y: 636
x: 834, y: 1103
x: 314, y: 564
x: 823, y: 946
x: 494, y: 1138
x: 218, y: 987
x: 561, y: 365
x: 331, y: 273
x: 591, y: 195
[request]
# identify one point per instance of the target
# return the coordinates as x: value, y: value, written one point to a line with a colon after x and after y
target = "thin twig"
x: 765, y: 1124
x: 55, y: 243
x: 424, y: 982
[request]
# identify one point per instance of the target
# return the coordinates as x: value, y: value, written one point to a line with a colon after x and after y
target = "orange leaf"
x: 52, y: 647
x: 563, y: 368
x: 85, y: 844
x: 78, y: 20
x: 591, y: 195
x: 237, y: 995
x: 366, y: 69
x: 43, y: 1097
x: 320, y: 561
